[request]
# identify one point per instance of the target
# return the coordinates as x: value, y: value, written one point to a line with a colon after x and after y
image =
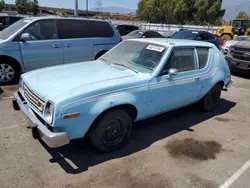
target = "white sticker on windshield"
x: 155, y: 48
x: 27, y: 21
x: 195, y: 32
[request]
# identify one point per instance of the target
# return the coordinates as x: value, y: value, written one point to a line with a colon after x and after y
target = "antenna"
x: 98, y: 5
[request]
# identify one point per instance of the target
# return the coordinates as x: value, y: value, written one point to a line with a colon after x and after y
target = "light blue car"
x: 137, y: 79
x: 38, y: 42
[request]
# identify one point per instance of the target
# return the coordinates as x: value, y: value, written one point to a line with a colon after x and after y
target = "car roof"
x: 173, y: 42
x: 63, y: 17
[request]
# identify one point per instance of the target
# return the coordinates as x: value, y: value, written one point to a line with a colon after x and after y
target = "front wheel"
x: 9, y: 73
x: 209, y: 102
x: 111, y: 130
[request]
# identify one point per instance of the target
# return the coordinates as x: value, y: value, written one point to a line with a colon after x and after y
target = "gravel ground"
x: 184, y: 148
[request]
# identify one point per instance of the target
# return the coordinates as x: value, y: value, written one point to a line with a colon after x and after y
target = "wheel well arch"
x: 129, y: 108
x: 5, y: 57
x: 221, y: 83
x: 100, y: 53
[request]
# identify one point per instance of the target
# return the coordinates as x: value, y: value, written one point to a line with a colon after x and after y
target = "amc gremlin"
x: 135, y: 80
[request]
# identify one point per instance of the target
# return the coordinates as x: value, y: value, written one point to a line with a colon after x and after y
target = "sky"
x: 131, y: 4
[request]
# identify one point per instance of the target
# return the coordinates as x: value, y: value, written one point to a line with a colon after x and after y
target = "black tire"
x: 9, y: 72
x: 100, y: 54
x: 209, y: 102
x: 111, y: 131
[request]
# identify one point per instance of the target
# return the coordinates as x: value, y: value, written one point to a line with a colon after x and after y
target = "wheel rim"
x: 114, y: 133
x: 7, y: 73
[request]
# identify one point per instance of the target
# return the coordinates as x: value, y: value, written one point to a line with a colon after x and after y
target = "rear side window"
x: 203, y: 56
x: 70, y: 29
x: 100, y: 29
x: 210, y: 36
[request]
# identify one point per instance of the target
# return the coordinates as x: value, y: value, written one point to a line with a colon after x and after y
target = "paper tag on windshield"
x: 155, y: 48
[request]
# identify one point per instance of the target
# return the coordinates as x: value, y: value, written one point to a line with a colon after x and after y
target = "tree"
x: 34, y: 7
x: 2, y: 5
x: 242, y: 15
x: 181, y: 11
x: 22, y: 6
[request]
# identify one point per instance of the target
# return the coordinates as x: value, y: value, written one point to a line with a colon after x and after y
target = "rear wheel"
x: 111, y: 131
x: 100, y: 54
x: 9, y: 72
x: 209, y: 102
x: 226, y: 37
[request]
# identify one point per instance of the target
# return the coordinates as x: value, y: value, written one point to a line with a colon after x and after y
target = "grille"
x: 33, y: 99
x: 241, y: 49
x: 238, y: 53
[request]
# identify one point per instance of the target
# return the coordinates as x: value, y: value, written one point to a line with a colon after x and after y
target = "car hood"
x: 243, y: 44
x: 230, y: 43
x: 54, y: 82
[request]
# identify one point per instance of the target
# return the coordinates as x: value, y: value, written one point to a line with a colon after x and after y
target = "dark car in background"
x: 126, y: 29
x: 198, y: 35
x: 143, y: 34
x: 6, y: 21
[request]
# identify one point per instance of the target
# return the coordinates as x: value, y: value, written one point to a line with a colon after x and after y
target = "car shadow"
x: 78, y: 156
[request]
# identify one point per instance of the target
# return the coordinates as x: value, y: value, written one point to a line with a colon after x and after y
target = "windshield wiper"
x: 105, y: 60
x: 125, y: 66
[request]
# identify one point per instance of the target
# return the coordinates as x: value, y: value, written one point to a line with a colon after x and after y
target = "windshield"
x: 185, y: 35
x: 136, y: 33
x: 237, y: 23
x: 140, y: 56
x: 12, y: 29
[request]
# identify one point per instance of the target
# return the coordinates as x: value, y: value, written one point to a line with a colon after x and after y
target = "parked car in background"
x: 226, y: 46
x: 6, y: 21
x: 139, y: 78
x: 238, y: 56
x: 126, y: 29
x: 222, y: 40
x: 197, y: 35
x: 38, y: 42
x: 142, y: 34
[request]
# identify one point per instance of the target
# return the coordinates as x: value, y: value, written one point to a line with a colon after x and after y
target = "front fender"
x: 90, y: 109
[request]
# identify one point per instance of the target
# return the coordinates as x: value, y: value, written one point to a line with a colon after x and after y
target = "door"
x: 77, y: 44
x: 43, y: 47
x: 171, y: 92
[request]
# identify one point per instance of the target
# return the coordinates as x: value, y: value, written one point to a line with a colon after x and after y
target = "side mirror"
x: 25, y: 37
x: 173, y: 72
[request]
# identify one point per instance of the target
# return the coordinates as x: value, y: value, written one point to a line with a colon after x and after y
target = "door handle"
x: 56, y: 45
x: 67, y: 45
x: 197, y: 79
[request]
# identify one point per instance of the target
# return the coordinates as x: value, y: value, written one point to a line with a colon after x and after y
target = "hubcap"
x: 6, y: 73
x: 114, y: 132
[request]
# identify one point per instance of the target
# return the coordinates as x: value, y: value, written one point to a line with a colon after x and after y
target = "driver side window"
x: 42, y: 30
x: 181, y: 59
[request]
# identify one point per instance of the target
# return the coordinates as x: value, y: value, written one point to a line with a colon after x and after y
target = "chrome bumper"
x: 53, y: 140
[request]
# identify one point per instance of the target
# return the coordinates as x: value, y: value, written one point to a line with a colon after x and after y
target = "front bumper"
x: 238, y: 65
x: 53, y: 140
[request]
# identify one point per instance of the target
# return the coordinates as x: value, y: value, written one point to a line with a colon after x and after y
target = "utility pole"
x: 87, y: 7
x: 76, y: 7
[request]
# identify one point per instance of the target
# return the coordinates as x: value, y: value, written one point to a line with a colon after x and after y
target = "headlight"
x: 49, y: 112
